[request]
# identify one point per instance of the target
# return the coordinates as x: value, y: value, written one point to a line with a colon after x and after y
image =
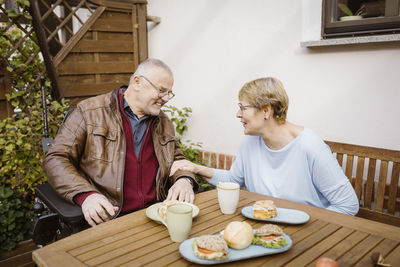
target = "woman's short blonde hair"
x: 267, y: 92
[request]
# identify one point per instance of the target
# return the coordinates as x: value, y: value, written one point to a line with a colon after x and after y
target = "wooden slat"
x: 103, y: 46
x: 104, y: 56
x: 380, y: 196
x: 365, y: 151
x: 349, y: 167
x: 339, y: 157
x: 393, y: 188
x: 359, y: 177
x: 393, y: 257
x: 90, y: 89
x: 121, y: 36
x: 320, y: 247
x: 135, y: 35
x: 379, y: 217
x: 116, y: 56
x: 369, y: 186
x: 96, y: 58
x: 384, y: 248
x: 77, y: 36
x: 79, y: 57
x: 142, y: 32
x: 123, y: 4
x: 70, y: 81
x: 94, y: 68
x: 355, y: 254
x: 108, y: 25
x: 335, y: 252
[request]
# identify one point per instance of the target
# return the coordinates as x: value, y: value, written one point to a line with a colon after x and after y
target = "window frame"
x: 367, y: 26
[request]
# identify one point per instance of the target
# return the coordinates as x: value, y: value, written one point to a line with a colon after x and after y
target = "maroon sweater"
x: 139, y: 188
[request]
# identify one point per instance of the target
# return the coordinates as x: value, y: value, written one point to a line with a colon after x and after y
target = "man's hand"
x: 181, y: 190
x: 97, y: 209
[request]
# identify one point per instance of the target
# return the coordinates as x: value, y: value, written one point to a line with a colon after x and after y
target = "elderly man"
x: 113, y: 154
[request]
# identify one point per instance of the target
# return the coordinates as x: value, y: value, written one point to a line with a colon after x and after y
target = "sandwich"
x: 269, y: 236
x: 210, y: 247
x: 238, y: 235
x: 264, y: 209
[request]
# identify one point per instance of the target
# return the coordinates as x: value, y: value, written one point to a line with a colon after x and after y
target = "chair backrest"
x: 46, y: 142
x: 374, y: 174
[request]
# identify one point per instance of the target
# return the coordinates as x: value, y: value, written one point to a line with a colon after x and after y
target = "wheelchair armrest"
x: 69, y: 213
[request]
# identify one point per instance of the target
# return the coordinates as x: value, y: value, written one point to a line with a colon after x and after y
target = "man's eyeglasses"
x: 161, y: 92
x: 244, y: 107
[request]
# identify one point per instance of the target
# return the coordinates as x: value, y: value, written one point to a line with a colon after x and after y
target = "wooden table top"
x: 134, y: 239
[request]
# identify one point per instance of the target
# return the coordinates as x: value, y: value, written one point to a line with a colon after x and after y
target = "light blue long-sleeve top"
x: 304, y: 171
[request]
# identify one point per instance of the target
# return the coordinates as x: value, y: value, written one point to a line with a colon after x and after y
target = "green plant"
x: 15, y: 212
x: 190, y: 149
x: 21, y: 152
x: 348, y: 12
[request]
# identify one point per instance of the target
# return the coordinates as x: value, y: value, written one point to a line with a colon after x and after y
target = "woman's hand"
x: 183, y: 165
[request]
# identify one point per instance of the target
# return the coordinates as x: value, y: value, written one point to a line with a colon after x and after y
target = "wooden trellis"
x: 90, y: 46
x: 17, y: 47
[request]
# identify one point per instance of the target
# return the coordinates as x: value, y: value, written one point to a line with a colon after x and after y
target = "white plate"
x: 252, y: 251
x: 288, y: 216
x: 152, y: 211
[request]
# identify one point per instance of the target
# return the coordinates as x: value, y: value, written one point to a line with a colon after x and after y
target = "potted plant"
x: 349, y: 14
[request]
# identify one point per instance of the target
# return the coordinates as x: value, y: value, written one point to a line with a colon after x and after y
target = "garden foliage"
x: 20, y: 135
x: 191, y: 150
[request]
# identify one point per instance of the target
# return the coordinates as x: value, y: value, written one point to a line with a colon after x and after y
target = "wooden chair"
x: 379, y: 198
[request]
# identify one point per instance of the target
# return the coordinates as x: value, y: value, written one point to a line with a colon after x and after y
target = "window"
x: 343, y: 18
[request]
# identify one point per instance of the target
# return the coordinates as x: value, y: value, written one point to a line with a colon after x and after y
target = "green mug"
x: 179, y: 221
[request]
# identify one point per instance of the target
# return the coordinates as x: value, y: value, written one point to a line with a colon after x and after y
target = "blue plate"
x: 288, y: 216
x: 252, y: 251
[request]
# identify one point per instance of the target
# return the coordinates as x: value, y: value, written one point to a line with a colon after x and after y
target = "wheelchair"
x: 55, y: 217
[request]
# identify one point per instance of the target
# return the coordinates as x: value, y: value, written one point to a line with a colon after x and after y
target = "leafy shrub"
x: 20, y: 145
x: 15, y: 212
x: 20, y: 135
x: 190, y: 149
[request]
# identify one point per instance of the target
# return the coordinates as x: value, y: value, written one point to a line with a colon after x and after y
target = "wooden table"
x: 135, y: 240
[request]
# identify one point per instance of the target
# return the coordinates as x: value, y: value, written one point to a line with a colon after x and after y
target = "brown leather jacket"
x: 88, y: 153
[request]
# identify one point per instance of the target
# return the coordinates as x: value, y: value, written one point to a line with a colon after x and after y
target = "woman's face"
x: 251, y: 118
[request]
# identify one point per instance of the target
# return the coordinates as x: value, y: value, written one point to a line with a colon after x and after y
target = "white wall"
x: 346, y: 93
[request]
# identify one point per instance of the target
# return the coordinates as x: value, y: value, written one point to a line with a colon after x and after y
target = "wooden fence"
x: 89, y: 47
x: 98, y: 57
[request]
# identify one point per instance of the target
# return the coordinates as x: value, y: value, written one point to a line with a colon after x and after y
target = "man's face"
x: 154, y: 87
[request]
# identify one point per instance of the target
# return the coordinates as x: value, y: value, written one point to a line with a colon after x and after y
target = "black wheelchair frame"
x: 55, y: 217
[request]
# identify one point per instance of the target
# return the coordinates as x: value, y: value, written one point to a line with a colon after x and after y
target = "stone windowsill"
x: 352, y: 40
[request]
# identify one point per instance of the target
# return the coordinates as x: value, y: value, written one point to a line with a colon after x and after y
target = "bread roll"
x: 238, y: 235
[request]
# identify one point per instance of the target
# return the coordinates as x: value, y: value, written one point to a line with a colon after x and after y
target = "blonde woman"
x: 278, y: 158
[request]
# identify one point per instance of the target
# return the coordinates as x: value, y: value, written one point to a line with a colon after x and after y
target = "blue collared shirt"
x: 139, y: 126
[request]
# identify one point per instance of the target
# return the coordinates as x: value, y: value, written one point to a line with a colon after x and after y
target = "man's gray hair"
x: 149, y: 63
